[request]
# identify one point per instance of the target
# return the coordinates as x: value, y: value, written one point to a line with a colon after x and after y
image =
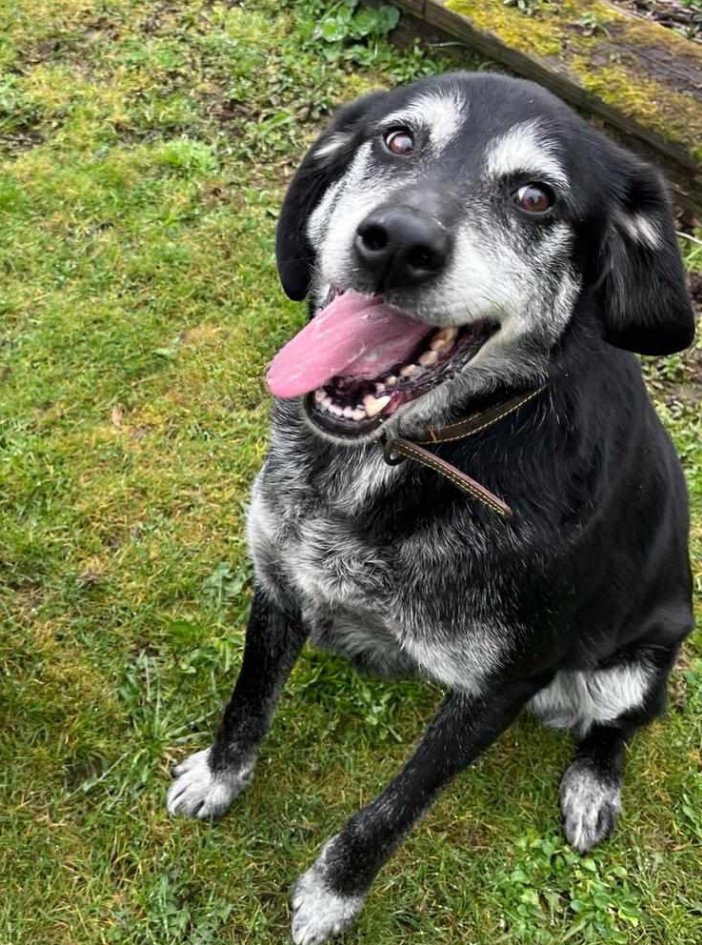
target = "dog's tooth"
x: 349, y: 412
x: 443, y: 340
x: 446, y: 334
x: 379, y: 387
x: 439, y: 343
x: 374, y: 405
x: 409, y: 369
x: 327, y: 402
x: 336, y: 410
x: 359, y: 414
x: 429, y: 357
x: 319, y: 395
x: 390, y: 381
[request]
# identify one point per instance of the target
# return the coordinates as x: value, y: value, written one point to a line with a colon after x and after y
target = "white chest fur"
x: 368, y: 600
x: 321, y: 561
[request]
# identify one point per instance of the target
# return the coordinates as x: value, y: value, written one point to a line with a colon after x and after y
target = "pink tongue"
x: 355, y: 335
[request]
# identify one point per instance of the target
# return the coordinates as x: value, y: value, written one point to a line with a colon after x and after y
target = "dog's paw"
x: 200, y: 792
x: 318, y: 912
x: 590, y: 805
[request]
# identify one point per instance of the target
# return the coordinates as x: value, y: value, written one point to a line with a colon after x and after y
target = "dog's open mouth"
x: 360, y: 359
x: 348, y: 406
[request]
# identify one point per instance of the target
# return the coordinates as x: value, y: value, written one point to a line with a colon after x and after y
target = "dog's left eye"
x: 399, y: 140
x: 535, y: 198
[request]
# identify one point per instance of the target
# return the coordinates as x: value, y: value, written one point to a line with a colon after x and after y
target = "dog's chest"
x: 389, y: 602
x: 299, y: 537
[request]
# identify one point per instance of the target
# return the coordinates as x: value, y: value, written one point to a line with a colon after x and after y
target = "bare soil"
x: 685, y: 18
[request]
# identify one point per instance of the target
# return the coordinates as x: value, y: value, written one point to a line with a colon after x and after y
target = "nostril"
x: 423, y: 258
x: 374, y: 237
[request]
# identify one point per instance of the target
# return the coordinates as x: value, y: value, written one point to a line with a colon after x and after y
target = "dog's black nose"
x: 400, y: 246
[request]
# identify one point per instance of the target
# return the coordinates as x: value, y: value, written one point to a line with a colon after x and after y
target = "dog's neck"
x: 398, y: 449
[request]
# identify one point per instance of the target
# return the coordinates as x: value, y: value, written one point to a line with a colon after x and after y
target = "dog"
x: 466, y: 478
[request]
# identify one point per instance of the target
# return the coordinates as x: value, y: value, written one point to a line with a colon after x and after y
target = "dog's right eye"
x: 399, y: 141
x: 535, y: 199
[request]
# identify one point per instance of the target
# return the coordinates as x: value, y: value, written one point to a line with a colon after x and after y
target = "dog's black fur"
x: 579, y: 602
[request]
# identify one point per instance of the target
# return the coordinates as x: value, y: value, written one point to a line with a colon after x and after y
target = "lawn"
x: 146, y: 146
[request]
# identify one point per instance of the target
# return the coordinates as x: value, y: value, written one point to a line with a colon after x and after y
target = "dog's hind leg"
x: 590, y: 792
x: 328, y: 896
x: 208, y: 781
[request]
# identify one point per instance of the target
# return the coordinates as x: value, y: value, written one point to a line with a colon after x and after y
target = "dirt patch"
x: 689, y: 392
x: 20, y: 139
x: 684, y: 18
x: 693, y: 357
x: 677, y: 381
x: 689, y: 389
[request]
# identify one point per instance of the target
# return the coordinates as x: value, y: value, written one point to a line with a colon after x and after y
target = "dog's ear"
x: 645, y: 304
x: 323, y: 164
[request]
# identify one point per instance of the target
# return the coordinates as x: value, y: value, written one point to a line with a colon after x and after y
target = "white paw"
x: 319, y: 913
x: 200, y: 792
x: 590, y: 806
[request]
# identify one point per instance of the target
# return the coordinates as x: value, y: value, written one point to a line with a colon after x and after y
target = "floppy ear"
x: 323, y: 164
x: 645, y: 304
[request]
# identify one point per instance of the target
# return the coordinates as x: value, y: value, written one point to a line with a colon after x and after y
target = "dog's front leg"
x: 327, y: 898
x: 208, y: 781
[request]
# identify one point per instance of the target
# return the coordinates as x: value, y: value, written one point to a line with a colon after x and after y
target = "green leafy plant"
x: 590, y: 24
x: 527, y: 7
x: 225, y: 585
x: 555, y: 896
x: 348, y: 29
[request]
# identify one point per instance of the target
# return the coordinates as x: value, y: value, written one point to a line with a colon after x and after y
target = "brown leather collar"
x: 397, y: 449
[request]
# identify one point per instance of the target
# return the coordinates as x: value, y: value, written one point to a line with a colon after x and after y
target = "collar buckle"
x: 390, y: 454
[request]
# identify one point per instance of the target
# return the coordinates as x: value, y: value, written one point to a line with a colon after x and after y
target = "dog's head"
x: 449, y: 234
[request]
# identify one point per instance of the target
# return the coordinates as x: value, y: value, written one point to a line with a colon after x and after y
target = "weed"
x: 527, y: 7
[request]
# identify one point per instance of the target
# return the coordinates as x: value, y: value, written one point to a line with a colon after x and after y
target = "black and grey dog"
x: 466, y: 242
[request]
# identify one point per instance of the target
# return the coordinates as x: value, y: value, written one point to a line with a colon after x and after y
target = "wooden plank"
x: 641, y: 79
x: 412, y: 6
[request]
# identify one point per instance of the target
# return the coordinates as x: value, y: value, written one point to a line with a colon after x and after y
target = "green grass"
x: 146, y: 147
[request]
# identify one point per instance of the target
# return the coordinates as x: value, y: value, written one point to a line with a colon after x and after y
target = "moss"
x: 671, y: 115
x: 610, y: 62
x: 539, y: 33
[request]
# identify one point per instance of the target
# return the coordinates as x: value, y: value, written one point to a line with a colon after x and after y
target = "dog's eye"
x: 535, y: 198
x: 399, y: 140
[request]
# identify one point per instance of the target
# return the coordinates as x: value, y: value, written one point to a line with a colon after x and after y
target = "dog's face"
x: 448, y: 234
